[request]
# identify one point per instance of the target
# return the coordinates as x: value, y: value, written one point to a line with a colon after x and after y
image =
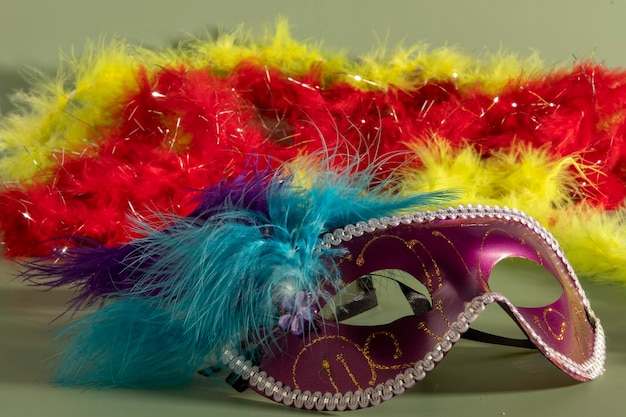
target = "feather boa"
x: 123, y: 134
x: 212, y: 279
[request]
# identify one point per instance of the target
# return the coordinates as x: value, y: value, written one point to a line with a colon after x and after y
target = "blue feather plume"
x: 216, y: 278
x: 127, y: 343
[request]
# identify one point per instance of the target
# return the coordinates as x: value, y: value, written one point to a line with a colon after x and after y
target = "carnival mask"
x: 452, y: 253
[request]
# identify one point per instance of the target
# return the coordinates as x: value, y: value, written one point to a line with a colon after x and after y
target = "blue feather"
x: 217, y: 278
x: 126, y: 344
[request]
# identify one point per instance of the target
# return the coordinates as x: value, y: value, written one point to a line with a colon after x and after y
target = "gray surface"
x: 473, y: 379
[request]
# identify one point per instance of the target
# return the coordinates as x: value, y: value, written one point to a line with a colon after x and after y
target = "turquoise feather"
x: 217, y: 279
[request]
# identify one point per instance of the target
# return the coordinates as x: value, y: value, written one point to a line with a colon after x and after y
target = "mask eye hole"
x: 378, y: 298
x: 525, y: 283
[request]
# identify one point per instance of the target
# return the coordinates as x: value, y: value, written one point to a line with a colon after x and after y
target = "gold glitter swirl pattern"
x: 360, y: 260
x: 437, y: 233
x: 365, y: 353
x: 410, y: 244
x: 326, y: 364
x: 547, y: 329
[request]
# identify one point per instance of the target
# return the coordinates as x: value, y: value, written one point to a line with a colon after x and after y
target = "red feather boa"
x: 185, y: 129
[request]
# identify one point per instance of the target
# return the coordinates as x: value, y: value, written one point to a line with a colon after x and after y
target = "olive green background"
x: 33, y: 32
x: 474, y: 379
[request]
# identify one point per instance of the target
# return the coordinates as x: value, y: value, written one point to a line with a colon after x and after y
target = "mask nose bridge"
x: 486, y: 337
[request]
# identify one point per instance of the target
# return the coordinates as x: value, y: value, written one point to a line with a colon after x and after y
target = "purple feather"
x: 95, y: 271
x: 246, y: 191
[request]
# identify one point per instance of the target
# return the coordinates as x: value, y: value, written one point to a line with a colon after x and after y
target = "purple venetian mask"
x: 325, y: 364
